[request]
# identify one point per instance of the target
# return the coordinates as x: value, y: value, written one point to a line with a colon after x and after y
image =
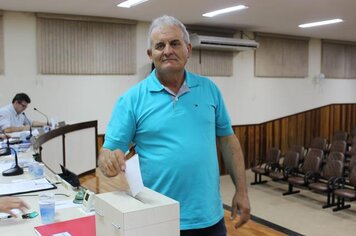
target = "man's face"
x: 20, y: 106
x: 169, y: 53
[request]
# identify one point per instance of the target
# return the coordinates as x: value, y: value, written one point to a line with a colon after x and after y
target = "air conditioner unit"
x: 222, y: 43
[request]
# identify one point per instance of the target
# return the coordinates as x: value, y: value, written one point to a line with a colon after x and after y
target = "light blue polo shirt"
x: 175, y: 138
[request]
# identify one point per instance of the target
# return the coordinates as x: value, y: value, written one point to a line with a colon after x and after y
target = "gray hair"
x: 167, y: 21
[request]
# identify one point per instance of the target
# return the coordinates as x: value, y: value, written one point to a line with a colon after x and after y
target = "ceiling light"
x: 131, y: 3
x: 326, y: 22
x: 225, y: 10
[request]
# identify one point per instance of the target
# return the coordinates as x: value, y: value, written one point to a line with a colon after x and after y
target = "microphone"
x: 42, y: 114
x: 30, y: 136
x: 16, y: 170
x: 7, y: 149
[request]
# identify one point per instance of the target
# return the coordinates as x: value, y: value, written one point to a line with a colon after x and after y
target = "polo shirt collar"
x: 154, y: 85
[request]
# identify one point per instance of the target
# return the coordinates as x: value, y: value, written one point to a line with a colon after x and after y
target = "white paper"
x: 24, y: 186
x: 133, y: 175
x: 66, y: 204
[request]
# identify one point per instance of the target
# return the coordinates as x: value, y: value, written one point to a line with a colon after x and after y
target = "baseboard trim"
x: 270, y: 224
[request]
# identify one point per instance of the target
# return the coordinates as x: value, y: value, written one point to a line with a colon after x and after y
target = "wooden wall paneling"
x: 257, y: 144
x: 269, y: 138
x: 343, y: 117
x: 336, y: 113
x: 242, y: 136
x: 263, y: 143
x: 308, y: 130
x: 292, y: 130
x: 276, y: 133
x: 353, y: 116
x: 324, y: 121
x: 284, y: 136
x: 348, y: 118
x: 300, y: 128
x: 313, y: 127
x: 250, y: 152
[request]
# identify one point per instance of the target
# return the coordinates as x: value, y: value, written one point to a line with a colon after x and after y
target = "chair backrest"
x: 273, y: 155
x: 300, y: 150
x: 340, y: 135
x: 352, y: 177
x: 319, y: 143
x: 332, y: 168
x: 353, y: 149
x: 291, y: 160
x: 336, y: 156
x: 338, y: 146
x: 353, y: 132
x: 353, y: 141
x: 352, y: 163
x: 313, y: 161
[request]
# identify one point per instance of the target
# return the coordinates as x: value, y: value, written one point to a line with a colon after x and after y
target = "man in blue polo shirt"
x: 175, y: 118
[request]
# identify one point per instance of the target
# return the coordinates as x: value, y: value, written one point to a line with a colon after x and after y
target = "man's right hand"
x: 9, y: 203
x: 111, y: 163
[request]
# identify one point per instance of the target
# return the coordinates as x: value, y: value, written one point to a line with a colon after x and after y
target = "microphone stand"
x: 16, y: 170
x: 42, y: 114
x: 30, y: 136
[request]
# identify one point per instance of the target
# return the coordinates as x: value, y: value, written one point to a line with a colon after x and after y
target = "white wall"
x: 75, y: 99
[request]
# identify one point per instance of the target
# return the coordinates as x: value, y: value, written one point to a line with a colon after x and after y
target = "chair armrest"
x: 311, y: 176
x: 289, y: 172
x: 338, y: 182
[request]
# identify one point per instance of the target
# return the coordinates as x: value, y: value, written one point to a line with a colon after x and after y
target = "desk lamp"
x: 16, y: 170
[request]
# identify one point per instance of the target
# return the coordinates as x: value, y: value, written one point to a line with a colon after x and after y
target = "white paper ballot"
x: 133, y: 175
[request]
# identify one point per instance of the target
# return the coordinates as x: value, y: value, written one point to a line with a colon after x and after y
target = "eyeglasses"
x: 23, y: 105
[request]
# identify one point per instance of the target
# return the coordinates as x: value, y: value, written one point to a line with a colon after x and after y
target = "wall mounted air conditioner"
x: 222, y: 43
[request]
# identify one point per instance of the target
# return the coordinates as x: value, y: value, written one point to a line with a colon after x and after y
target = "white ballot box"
x: 147, y: 214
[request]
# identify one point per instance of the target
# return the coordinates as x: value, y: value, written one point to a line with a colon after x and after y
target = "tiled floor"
x: 301, y: 212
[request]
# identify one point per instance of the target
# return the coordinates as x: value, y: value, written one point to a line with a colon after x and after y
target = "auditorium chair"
x: 340, y: 135
x: 300, y: 150
x: 351, y: 151
x: 271, y: 163
x: 338, y: 146
x: 290, y: 165
x: 319, y: 143
x: 310, y: 166
x: 336, y: 156
x: 323, y: 182
x: 345, y: 188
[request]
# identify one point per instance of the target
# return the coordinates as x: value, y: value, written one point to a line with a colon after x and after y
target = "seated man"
x: 12, y: 117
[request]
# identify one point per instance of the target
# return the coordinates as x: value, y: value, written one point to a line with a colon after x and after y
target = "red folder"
x: 76, y: 227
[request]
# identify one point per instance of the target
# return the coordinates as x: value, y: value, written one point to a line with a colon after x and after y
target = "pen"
x: 29, y: 215
x: 5, y: 217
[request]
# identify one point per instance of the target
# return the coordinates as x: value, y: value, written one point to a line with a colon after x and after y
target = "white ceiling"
x: 273, y: 16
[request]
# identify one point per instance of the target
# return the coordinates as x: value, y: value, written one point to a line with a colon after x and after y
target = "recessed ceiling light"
x: 319, y: 23
x: 225, y: 10
x: 131, y: 3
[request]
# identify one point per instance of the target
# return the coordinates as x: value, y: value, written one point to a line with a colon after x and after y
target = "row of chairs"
x: 325, y: 175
